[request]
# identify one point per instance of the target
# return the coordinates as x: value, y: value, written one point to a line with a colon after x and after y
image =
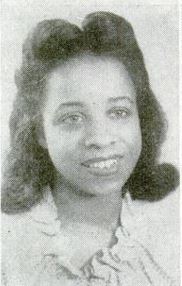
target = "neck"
x: 76, y: 207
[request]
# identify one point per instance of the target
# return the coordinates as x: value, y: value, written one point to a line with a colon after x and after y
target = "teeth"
x: 104, y: 164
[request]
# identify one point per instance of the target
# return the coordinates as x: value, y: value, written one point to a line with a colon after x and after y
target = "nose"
x: 99, y: 135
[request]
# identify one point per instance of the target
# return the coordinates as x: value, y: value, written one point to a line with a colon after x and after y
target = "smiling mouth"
x: 103, y: 166
x: 106, y: 164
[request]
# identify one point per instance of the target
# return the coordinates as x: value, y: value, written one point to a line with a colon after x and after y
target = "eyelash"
x: 69, y: 119
x: 120, y: 113
x: 72, y: 118
x: 116, y: 113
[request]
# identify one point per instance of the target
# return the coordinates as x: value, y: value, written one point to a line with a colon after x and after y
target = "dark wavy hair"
x: 28, y: 167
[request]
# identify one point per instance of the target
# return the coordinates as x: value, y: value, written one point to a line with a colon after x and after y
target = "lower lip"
x: 104, y: 172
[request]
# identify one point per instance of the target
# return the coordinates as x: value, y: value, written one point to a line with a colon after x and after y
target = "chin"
x: 104, y: 190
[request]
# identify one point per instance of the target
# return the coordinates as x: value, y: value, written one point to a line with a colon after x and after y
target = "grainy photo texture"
x: 87, y: 198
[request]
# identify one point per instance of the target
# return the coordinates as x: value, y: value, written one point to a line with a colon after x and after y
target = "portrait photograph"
x: 90, y: 143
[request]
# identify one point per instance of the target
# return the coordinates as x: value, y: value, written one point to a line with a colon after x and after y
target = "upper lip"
x: 101, y: 159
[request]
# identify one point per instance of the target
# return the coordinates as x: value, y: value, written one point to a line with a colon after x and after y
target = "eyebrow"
x: 121, y: 98
x: 80, y: 104
x: 70, y: 104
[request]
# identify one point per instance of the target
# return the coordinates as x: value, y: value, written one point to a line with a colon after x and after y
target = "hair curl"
x: 29, y: 168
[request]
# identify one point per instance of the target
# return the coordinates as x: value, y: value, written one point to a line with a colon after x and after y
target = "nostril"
x: 98, y: 143
x: 113, y: 142
x: 99, y: 135
x: 93, y: 146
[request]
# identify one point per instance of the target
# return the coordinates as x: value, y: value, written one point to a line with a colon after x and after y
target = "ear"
x: 42, y: 142
x: 41, y: 136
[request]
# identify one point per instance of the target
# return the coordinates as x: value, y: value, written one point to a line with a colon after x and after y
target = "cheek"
x: 132, y: 138
x: 61, y: 145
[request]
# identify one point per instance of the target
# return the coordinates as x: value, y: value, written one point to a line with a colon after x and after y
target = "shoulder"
x: 31, y: 229
x: 156, y: 225
x: 19, y: 234
x: 24, y: 240
x: 163, y: 214
x: 15, y: 246
x: 171, y: 201
x: 28, y: 224
x: 14, y: 227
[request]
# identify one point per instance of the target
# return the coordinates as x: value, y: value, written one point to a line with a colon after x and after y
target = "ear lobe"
x: 41, y: 137
x: 42, y: 142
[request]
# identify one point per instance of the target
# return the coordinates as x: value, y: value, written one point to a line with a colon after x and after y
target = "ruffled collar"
x: 45, y: 218
x: 126, y: 261
x: 45, y: 214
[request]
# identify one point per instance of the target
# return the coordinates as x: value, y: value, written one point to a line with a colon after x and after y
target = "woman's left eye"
x: 120, y: 113
x: 71, y: 119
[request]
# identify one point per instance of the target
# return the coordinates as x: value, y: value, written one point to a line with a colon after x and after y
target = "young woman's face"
x: 91, y: 124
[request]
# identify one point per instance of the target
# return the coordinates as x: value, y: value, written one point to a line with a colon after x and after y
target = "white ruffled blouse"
x: 33, y: 253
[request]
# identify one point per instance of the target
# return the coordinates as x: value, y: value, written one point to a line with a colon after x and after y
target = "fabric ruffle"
x: 126, y: 263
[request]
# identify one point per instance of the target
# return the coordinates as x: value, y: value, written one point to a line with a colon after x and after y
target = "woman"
x: 86, y: 131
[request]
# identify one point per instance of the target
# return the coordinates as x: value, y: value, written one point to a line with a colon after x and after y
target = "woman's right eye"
x: 70, y: 119
x: 73, y: 119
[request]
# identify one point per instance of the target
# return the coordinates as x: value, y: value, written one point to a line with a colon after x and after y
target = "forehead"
x: 89, y: 78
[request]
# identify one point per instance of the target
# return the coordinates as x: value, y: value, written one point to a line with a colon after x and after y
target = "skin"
x: 84, y: 121
x: 90, y: 112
